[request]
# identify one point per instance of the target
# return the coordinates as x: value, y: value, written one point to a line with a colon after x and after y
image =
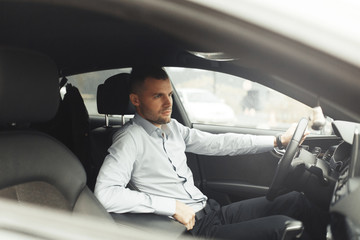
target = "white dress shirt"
x: 154, y: 160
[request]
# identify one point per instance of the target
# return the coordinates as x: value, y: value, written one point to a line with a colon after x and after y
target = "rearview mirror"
x: 317, y: 119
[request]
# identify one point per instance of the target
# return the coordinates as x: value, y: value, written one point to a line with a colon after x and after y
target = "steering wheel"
x: 277, y: 187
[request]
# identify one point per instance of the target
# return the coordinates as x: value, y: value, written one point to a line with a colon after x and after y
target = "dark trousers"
x: 259, y: 218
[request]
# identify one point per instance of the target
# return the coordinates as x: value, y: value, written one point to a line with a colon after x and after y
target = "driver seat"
x: 35, y: 167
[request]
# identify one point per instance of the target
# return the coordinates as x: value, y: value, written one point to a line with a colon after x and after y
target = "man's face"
x: 154, y: 101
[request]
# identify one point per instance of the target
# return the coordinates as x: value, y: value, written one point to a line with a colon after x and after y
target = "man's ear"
x: 134, y: 98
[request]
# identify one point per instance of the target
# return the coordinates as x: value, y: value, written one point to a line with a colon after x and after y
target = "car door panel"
x: 238, y: 177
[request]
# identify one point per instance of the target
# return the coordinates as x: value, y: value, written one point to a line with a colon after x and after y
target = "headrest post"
x: 106, y: 120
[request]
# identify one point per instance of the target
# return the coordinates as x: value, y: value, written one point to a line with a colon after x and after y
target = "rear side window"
x: 87, y: 84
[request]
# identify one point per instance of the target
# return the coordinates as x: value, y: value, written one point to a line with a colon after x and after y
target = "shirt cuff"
x: 264, y: 143
x: 163, y: 206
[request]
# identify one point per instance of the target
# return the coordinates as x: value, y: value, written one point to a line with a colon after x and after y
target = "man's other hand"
x: 185, y: 215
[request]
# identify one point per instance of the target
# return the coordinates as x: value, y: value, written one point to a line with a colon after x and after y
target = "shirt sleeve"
x: 224, y: 144
x: 115, y: 174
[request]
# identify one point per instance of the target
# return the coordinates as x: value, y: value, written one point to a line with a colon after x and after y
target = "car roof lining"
x: 163, y: 34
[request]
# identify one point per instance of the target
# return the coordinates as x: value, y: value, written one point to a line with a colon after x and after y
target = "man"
x: 149, y: 152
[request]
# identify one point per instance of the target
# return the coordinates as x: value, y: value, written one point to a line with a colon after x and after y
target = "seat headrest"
x: 113, y: 95
x: 29, y: 86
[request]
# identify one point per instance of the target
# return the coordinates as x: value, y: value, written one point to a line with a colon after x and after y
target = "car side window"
x: 221, y: 99
x: 87, y: 84
x: 213, y: 98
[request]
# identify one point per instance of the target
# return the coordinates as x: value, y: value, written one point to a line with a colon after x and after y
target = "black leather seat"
x: 112, y: 99
x: 35, y: 167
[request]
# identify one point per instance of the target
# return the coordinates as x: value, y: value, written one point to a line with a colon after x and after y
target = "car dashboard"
x: 345, y: 204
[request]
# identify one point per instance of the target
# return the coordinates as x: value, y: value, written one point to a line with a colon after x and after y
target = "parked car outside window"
x: 203, y: 106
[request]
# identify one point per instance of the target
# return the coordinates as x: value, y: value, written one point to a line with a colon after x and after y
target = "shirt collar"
x: 149, y: 127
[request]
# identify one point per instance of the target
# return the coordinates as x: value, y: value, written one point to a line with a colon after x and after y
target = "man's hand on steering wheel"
x: 292, y: 139
x: 286, y: 137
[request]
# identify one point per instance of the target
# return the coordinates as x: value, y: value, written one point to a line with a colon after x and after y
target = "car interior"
x: 52, y: 148
x: 37, y: 168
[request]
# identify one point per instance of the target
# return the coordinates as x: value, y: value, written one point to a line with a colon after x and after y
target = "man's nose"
x: 168, y: 101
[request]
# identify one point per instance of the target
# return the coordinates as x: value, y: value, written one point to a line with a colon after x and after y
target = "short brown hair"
x: 140, y: 73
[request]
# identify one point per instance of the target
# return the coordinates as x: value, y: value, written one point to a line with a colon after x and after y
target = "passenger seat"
x: 112, y: 99
x: 35, y: 167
